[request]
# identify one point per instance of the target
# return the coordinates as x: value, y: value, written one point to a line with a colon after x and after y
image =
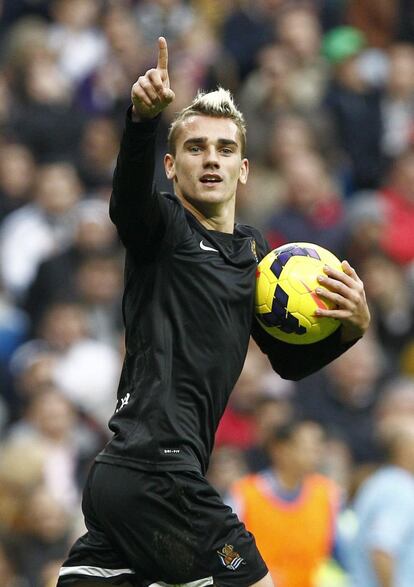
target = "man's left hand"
x: 345, y: 290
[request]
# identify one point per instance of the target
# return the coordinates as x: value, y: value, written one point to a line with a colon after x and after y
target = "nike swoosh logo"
x: 206, y: 248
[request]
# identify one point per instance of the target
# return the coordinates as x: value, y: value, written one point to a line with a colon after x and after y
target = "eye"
x: 194, y: 149
x: 227, y: 151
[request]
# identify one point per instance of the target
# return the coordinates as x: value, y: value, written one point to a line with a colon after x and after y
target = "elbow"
x: 288, y: 373
x: 290, y: 376
x: 294, y: 371
x: 113, y: 211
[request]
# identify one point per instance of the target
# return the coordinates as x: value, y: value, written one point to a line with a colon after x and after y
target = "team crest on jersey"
x: 230, y: 558
x: 254, y: 249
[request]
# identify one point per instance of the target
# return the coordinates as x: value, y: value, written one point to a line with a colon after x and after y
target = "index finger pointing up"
x: 162, y: 54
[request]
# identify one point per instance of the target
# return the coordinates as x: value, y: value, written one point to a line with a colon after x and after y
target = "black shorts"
x: 169, y: 527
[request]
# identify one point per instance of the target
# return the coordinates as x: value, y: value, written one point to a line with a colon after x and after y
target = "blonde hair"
x: 218, y: 104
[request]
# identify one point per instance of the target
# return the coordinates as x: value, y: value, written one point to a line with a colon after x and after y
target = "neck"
x: 288, y: 480
x: 220, y: 218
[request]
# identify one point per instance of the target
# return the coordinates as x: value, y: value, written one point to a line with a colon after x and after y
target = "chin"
x: 212, y: 199
x: 206, y: 197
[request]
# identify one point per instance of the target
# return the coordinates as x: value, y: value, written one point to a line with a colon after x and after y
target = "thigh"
x: 225, y: 550
x: 171, y: 528
x: 95, y: 558
x: 145, y: 515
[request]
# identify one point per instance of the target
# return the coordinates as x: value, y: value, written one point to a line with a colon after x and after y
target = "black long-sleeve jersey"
x: 188, y: 310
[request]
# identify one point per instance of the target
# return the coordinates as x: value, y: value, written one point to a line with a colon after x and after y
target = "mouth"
x: 210, y: 179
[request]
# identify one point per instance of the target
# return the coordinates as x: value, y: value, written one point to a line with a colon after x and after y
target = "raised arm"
x: 135, y: 207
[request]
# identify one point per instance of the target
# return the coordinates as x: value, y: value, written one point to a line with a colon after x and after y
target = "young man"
x: 188, y: 309
x: 290, y: 508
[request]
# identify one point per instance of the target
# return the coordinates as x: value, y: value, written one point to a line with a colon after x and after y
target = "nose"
x: 211, y: 157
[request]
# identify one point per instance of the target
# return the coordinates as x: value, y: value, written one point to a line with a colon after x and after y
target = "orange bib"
x: 294, y: 538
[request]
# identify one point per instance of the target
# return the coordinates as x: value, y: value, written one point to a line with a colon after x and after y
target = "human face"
x: 307, y: 447
x: 302, y: 453
x: 208, y: 163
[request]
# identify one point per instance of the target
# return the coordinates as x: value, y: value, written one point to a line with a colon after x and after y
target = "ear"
x: 244, y: 171
x: 169, y: 166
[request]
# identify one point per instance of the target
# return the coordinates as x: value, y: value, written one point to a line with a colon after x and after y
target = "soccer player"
x: 151, y: 516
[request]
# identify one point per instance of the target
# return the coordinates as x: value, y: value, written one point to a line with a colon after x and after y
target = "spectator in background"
x: 382, y: 551
x: 21, y: 472
x: 272, y: 409
x: 365, y: 221
x: 266, y: 95
x: 398, y: 198
x: 106, y: 90
x: 377, y: 21
x: 343, y: 399
x: 290, y: 508
x: 17, y: 171
x: 51, y: 421
x: 246, y: 30
x: 64, y: 329
x: 44, y: 538
x: 396, y: 401
x: 66, y: 356
x: 299, y: 30
x: 314, y: 211
x: 97, y: 154
x: 169, y: 18
x: 56, y: 278
x: 12, y: 10
x: 37, y: 230
x: 31, y: 368
x: 99, y: 280
x: 25, y: 41
x: 43, y: 96
x: 227, y: 465
x: 391, y: 304
x: 354, y: 106
x: 74, y: 35
x: 398, y: 102
x: 289, y: 136
x: 237, y: 426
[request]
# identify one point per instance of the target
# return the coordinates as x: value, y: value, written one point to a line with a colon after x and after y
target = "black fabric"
x: 188, y: 311
x: 170, y: 527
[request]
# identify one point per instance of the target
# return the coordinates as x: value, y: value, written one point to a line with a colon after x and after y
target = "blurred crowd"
x: 327, y: 89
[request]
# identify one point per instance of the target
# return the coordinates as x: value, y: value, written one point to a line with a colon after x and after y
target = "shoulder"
x: 326, y: 485
x: 246, y: 483
x: 170, y: 197
x: 382, y: 484
x: 171, y: 201
x: 26, y: 215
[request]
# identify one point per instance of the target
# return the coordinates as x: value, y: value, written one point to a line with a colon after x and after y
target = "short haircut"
x: 218, y: 104
x: 285, y: 432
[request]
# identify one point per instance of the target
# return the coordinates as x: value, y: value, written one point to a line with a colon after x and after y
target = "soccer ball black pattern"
x: 285, y: 293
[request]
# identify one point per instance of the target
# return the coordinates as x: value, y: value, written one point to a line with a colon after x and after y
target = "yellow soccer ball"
x: 286, y: 300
